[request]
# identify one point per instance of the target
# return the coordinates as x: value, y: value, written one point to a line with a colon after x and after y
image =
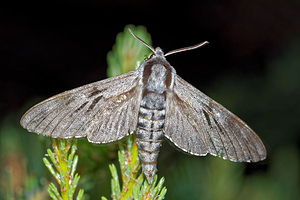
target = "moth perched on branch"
x: 155, y: 102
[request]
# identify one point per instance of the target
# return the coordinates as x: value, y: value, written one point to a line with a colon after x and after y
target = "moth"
x: 154, y: 102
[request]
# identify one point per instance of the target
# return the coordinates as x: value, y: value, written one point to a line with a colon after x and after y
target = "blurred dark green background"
x: 251, y: 66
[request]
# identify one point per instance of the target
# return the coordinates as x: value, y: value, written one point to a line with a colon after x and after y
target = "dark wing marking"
x: 199, y: 125
x: 103, y: 111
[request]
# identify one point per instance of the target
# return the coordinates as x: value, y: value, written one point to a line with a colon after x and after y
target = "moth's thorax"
x: 157, y: 74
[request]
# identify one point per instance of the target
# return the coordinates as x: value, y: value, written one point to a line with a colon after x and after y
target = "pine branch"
x: 133, y: 184
x: 127, y: 51
x: 65, y: 162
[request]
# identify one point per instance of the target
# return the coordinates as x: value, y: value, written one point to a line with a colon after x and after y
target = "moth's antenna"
x: 142, y: 41
x: 187, y: 48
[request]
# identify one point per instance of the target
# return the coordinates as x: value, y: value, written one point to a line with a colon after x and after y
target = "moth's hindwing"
x: 103, y: 111
x: 199, y: 125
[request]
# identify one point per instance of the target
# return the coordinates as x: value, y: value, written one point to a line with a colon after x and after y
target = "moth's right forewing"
x: 181, y: 127
x: 223, y: 133
x: 71, y: 113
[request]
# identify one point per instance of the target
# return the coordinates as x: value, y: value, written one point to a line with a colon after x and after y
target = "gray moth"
x: 154, y: 102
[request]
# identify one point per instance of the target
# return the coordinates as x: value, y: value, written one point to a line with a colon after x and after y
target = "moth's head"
x: 159, y: 52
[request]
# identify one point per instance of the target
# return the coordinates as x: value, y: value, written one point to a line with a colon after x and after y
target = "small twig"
x: 65, y: 163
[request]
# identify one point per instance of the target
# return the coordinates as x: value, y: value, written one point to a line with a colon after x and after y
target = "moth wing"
x: 199, y: 125
x: 103, y: 111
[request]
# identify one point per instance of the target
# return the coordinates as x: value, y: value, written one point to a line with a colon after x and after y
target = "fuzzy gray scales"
x: 154, y: 102
x: 157, y: 75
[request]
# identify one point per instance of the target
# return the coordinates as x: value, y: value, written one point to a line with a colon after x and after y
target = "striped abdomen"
x: 149, y: 132
x: 152, y: 112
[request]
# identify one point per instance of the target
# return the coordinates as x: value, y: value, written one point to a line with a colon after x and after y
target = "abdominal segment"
x: 149, y: 135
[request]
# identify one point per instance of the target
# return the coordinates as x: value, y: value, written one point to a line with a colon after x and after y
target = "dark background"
x: 51, y: 46
x: 250, y: 66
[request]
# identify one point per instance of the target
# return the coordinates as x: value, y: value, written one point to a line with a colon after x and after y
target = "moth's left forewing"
x: 103, y: 111
x: 223, y: 133
x: 117, y: 118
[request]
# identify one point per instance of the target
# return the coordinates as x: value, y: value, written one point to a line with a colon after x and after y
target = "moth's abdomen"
x: 149, y: 131
x: 156, y: 81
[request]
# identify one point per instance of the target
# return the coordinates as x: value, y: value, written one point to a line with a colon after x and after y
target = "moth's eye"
x: 151, y: 56
x: 147, y: 58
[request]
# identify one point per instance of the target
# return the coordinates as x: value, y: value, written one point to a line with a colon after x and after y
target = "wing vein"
x: 39, y: 114
x: 239, y: 142
x: 60, y: 120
